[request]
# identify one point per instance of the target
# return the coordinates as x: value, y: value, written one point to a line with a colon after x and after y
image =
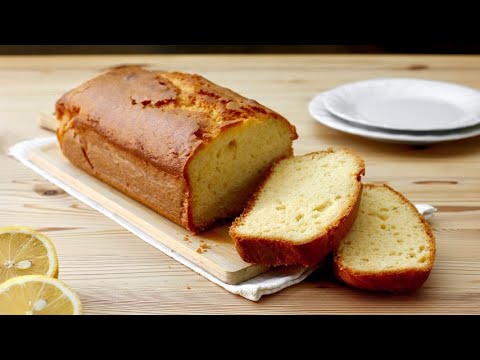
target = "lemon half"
x: 38, y: 295
x: 24, y: 251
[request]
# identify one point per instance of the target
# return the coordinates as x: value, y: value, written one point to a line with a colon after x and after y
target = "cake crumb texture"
x: 390, y: 247
x: 306, y: 204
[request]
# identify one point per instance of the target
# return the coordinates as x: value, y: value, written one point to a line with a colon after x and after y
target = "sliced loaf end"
x: 303, y: 208
x: 390, y: 246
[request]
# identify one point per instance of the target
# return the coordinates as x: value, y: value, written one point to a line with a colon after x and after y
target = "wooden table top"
x: 115, y: 272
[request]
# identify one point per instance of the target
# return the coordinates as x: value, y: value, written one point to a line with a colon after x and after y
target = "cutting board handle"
x: 47, y: 120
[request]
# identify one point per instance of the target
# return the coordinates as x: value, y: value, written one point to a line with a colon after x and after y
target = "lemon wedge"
x: 38, y: 295
x: 24, y: 251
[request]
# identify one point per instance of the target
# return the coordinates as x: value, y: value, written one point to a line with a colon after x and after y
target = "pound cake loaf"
x: 189, y: 149
x: 390, y: 247
x: 304, y: 207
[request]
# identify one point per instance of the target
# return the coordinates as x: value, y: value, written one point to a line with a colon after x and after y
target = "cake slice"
x: 303, y: 208
x: 390, y: 247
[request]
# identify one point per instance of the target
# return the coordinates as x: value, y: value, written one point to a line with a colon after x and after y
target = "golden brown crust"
x: 157, y: 121
x: 396, y: 282
x: 143, y: 182
x: 158, y: 116
x: 406, y: 280
x: 276, y: 251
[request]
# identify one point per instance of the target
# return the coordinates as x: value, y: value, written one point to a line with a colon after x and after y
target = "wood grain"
x: 114, y: 272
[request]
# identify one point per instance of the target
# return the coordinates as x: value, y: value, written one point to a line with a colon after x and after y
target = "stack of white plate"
x: 411, y: 111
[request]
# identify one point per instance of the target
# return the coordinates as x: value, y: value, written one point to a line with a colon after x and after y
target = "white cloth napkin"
x: 253, y: 289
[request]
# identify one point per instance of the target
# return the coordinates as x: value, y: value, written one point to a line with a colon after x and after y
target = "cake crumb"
x: 203, y: 247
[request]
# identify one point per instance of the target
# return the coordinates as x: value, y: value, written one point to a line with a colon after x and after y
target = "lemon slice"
x: 23, y: 251
x: 38, y: 295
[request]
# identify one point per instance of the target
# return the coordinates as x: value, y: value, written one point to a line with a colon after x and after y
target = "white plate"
x: 323, y: 116
x: 406, y: 104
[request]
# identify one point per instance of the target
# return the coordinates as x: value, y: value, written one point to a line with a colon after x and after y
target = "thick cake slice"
x: 390, y: 247
x: 304, y: 207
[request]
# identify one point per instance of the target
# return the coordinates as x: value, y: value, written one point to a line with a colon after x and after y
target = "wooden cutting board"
x: 213, y: 251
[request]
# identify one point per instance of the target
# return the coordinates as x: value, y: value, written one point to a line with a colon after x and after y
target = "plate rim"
x: 316, y: 103
x: 475, y: 120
